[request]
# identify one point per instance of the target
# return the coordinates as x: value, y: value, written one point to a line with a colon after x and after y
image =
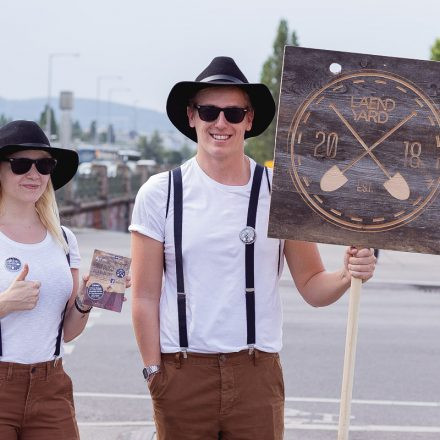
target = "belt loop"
x: 177, y: 360
x: 10, y: 367
x: 255, y: 354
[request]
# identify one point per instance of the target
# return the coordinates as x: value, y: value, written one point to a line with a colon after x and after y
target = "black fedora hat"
x: 221, y: 71
x: 27, y: 135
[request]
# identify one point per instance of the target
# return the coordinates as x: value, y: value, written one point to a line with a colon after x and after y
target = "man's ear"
x: 249, y: 119
x: 191, y: 114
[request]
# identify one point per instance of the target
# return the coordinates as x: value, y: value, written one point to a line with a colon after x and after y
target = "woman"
x: 39, y: 302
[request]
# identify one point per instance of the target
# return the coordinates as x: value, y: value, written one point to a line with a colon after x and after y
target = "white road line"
x: 366, y: 402
x: 288, y: 399
x: 68, y: 348
x: 299, y: 427
x: 366, y: 428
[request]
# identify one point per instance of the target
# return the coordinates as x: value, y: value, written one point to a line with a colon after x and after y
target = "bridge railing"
x: 100, y: 200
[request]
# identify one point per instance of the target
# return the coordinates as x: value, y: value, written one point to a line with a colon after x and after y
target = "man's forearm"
x: 325, y: 288
x: 145, y: 314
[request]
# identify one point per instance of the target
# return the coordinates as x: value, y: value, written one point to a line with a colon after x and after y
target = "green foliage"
x: 261, y: 148
x: 153, y: 148
x: 435, y: 50
x: 77, y: 132
x: 53, y: 122
x: 4, y: 120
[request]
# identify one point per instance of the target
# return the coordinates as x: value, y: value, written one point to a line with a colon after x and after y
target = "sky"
x: 154, y: 44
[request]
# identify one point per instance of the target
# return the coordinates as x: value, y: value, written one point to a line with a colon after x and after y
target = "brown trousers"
x: 234, y: 396
x: 36, y: 402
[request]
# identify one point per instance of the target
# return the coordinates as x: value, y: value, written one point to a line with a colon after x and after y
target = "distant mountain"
x: 123, y: 117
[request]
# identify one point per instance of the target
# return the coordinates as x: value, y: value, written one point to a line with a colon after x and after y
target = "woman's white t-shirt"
x: 213, y: 262
x: 29, y: 336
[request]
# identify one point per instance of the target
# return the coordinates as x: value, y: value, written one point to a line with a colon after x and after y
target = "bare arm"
x: 74, y: 322
x: 147, y: 269
x: 317, y: 286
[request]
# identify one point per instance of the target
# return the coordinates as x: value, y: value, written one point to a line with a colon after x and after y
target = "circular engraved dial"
x: 365, y: 151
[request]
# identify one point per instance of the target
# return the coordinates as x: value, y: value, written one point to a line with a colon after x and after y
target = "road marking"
x: 295, y: 426
x: 288, y: 399
x: 70, y: 346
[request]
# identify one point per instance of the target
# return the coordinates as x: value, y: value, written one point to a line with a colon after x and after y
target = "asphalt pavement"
x: 396, y: 390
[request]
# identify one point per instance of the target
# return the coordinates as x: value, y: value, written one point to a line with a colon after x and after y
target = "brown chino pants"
x: 36, y: 402
x: 234, y: 396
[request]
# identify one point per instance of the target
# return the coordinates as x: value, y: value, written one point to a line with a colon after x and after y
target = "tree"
x: 261, y: 148
x: 91, y: 134
x: 186, y: 151
x: 77, y: 132
x: 152, y: 148
x: 4, y: 120
x: 435, y: 50
x: 53, y: 122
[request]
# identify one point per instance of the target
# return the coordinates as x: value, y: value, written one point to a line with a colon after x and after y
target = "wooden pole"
x: 349, y: 358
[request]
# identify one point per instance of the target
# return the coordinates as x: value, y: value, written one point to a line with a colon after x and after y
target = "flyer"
x: 105, y: 287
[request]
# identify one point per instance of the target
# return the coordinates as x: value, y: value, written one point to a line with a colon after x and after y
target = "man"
x: 209, y: 333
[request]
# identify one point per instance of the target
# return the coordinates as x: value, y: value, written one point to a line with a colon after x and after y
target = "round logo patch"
x: 95, y: 291
x: 120, y: 273
x: 13, y: 264
x: 248, y: 235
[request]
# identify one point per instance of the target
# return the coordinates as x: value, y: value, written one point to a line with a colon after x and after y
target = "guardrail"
x: 100, y: 201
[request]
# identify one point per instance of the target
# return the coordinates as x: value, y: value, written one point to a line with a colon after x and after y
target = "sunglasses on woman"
x: 21, y: 165
x: 210, y: 113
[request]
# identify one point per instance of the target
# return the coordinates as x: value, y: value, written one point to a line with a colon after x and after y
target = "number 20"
x: 330, y: 149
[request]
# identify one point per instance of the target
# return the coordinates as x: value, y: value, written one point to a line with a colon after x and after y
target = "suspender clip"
x: 250, y: 290
x: 56, y: 360
x: 184, y: 352
x: 251, y: 349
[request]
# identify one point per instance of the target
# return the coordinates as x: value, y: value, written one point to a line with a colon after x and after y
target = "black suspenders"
x: 181, y: 296
x: 249, y: 256
x: 63, y: 315
x: 60, y: 328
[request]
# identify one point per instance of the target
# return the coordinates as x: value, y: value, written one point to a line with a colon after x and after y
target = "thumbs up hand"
x: 20, y: 295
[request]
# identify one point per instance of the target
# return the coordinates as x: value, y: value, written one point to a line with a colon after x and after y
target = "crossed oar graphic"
x: 334, y: 178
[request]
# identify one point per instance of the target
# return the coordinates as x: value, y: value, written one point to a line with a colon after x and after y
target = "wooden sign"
x: 357, y: 158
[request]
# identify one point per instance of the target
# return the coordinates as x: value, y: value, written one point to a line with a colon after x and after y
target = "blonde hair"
x: 47, y: 210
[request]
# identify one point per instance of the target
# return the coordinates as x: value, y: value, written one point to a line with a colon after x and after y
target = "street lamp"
x: 49, y: 86
x: 109, y: 102
x: 99, y: 79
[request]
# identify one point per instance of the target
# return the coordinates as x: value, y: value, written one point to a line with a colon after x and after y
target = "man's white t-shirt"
x: 29, y: 336
x: 213, y: 262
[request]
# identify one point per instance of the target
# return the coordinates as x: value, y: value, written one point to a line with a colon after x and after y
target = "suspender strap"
x: 63, y: 315
x: 181, y: 296
x: 249, y: 256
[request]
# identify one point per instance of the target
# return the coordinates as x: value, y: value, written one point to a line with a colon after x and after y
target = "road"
x: 396, y: 389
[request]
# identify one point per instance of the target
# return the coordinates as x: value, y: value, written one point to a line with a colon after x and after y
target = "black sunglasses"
x: 21, y: 165
x: 210, y: 113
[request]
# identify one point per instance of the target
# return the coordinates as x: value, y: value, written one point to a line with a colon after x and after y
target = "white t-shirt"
x: 29, y: 336
x: 213, y: 262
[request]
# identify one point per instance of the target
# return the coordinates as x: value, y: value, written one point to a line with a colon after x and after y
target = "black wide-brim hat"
x: 222, y: 71
x: 27, y: 135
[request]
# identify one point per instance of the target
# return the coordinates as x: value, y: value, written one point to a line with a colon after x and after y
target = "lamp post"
x: 49, y: 86
x: 109, y: 103
x: 99, y: 79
